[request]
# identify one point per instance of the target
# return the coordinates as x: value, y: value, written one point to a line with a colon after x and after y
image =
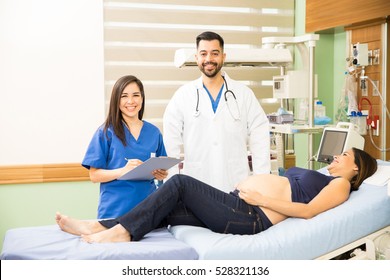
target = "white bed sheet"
x: 51, y: 243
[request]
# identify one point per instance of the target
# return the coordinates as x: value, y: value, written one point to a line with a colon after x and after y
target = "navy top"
x: 306, y: 183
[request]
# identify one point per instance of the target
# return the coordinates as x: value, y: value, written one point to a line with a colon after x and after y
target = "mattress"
x: 365, y: 212
x: 51, y: 243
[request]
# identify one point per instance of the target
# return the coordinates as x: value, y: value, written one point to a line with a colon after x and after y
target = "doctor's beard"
x: 213, y: 73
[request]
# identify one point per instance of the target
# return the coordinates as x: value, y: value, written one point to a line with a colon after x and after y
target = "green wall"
x: 28, y: 205
x: 330, y: 68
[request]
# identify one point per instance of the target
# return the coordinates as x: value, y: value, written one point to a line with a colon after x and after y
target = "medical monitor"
x: 336, y: 140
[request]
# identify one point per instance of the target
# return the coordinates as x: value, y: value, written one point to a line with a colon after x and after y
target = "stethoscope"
x: 235, y: 115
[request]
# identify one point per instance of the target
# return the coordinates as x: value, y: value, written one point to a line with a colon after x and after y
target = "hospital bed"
x: 365, y: 215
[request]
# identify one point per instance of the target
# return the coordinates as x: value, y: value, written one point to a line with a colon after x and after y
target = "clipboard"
x: 144, y: 171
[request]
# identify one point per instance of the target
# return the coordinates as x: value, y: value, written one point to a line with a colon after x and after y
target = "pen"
x: 134, y: 160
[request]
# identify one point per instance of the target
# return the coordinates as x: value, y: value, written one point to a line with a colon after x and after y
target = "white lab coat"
x: 216, y: 145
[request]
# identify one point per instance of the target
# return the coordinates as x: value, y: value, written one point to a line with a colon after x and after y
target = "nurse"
x: 216, y: 119
x: 123, y: 142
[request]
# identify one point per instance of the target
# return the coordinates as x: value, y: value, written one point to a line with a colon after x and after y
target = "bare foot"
x: 115, y: 234
x: 78, y: 227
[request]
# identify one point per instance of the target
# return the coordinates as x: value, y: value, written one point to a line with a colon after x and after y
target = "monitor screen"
x: 332, y: 143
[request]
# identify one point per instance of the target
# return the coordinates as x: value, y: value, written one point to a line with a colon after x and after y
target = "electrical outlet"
x: 375, y: 90
x: 375, y: 125
x: 376, y: 56
x: 363, y: 87
x: 370, y: 57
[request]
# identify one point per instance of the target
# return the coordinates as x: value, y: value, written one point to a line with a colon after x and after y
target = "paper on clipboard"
x: 144, y: 171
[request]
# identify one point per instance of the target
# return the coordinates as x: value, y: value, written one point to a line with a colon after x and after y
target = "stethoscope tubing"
x: 196, y: 114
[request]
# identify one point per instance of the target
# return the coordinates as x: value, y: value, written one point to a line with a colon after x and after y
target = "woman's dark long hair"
x: 367, y: 166
x: 114, y: 117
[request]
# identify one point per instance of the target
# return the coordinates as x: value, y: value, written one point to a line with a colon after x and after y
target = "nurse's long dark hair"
x: 114, y: 117
x: 367, y: 166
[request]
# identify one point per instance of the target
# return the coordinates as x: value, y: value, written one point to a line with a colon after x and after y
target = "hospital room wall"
x: 51, y: 102
x: 26, y: 205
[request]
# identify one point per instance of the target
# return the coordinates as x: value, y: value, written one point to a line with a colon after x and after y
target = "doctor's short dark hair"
x: 209, y: 36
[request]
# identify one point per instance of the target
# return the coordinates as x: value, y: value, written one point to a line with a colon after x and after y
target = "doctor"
x: 215, y: 119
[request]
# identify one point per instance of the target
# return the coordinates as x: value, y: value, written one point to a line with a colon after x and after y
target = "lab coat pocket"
x: 234, y: 126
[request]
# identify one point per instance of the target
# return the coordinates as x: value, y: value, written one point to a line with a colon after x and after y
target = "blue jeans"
x: 183, y: 200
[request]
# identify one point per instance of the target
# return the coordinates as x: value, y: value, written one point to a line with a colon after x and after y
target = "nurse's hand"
x: 131, y: 164
x: 160, y: 174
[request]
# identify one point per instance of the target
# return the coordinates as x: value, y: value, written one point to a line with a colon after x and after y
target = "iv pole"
x: 311, y: 101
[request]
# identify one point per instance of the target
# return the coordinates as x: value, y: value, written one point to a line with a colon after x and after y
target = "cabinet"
x: 327, y: 15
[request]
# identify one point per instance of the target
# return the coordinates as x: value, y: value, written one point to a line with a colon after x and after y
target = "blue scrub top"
x: 106, y: 151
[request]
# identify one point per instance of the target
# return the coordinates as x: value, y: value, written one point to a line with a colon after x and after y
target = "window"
x: 141, y: 38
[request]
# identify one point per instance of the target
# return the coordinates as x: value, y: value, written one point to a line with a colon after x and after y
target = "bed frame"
x: 353, y: 245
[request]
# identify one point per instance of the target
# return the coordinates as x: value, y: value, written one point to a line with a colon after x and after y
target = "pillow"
x: 380, y: 177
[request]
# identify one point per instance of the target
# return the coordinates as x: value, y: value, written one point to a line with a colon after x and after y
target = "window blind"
x: 141, y: 37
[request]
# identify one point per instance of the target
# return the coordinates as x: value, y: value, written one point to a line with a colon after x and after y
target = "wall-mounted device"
x: 295, y: 84
x: 360, y: 54
x: 336, y: 140
x: 256, y: 57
